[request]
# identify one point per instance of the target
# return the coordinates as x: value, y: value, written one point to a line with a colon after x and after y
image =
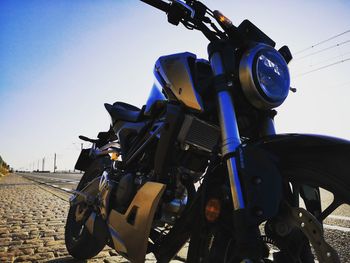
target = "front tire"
x: 222, y: 247
x: 79, y: 242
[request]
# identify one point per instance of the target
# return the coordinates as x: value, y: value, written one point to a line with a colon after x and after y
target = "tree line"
x: 4, y: 167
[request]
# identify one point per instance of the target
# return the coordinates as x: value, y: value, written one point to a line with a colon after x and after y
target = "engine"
x: 189, y: 159
x: 123, y: 191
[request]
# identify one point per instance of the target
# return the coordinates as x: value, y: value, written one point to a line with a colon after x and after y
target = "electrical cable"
x: 339, y: 85
x: 322, y: 50
x: 331, y: 87
x: 323, y: 67
x: 316, y: 63
x: 329, y: 59
x: 321, y: 42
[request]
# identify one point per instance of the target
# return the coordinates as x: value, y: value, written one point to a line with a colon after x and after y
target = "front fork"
x: 246, y: 235
x: 229, y: 132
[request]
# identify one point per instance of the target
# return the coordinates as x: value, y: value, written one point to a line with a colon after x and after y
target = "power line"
x: 316, y: 63
x: 322, y: 50
x: 329, y: 59
x: 339, y: 85
x: 326, y: 66
x: 331, y: 87
x: 321, y: 42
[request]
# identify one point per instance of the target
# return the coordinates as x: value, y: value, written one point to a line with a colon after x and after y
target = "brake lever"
x: 180, y: 11
x: 186, y: 7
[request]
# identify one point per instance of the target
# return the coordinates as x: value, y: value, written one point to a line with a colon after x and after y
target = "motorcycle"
x: 201, y: 162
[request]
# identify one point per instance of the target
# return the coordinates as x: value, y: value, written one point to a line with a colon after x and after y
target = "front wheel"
x: 79, y: 242
x: 294, y: 235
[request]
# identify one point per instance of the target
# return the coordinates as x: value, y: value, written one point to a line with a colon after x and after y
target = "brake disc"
x: 313, y: 230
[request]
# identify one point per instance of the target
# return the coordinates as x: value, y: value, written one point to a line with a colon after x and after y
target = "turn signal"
x: 212, y: 210
x: 114, y: 156
x: 223, y: 20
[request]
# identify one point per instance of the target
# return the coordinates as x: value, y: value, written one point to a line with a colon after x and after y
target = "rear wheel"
x: 79, y: 242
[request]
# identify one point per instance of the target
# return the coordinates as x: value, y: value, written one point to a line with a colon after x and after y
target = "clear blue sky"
x: 61, y: 60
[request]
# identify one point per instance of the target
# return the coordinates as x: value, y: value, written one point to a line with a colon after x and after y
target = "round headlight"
x: 264, y: 77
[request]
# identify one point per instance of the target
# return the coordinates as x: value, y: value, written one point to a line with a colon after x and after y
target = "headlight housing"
x: 264, y: 77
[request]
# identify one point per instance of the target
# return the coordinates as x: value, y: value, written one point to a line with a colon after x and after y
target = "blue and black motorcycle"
x: 201, y: 163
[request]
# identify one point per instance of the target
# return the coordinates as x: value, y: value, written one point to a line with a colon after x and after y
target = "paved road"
x: 33, y: 209
x: 66, y: 181
x: 32, y: 220
x: 340, y: 217
x: 32, y: 223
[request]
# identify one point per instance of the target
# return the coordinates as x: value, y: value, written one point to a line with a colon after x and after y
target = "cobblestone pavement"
x: 32, y: 220
x: 32, y: 225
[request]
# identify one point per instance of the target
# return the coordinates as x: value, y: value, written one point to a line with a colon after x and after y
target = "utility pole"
x: 43, y: 166
x: 54, y: 164
x: 81, y: 149
x: 38, y: 165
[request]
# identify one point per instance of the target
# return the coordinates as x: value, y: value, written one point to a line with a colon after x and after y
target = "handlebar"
x: 192, y: 15
x: 159, y: 4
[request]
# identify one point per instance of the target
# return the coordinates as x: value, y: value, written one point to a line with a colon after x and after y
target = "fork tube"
x: 268, y: 126
x: 229, y: 132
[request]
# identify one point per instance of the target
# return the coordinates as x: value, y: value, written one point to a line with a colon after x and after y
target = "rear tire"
x: 79, y: 242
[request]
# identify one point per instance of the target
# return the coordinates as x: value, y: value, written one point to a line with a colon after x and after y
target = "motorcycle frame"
x: 231, y: 154
x: 231, y: 143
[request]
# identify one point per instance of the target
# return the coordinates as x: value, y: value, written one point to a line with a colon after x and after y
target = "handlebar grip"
x: 159, y: 4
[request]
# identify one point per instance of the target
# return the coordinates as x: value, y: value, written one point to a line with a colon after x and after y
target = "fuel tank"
x: 174, y: 73
x: 154, y: 96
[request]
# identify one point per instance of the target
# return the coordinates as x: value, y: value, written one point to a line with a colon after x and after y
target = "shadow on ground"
x: 65, y: 260
x: 72, y: 260
x: 19, y: 184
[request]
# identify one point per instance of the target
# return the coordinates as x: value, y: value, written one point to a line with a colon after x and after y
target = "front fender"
x: 314, y: 159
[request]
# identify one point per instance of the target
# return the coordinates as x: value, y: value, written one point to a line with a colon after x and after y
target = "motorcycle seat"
x: 123, y: 111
